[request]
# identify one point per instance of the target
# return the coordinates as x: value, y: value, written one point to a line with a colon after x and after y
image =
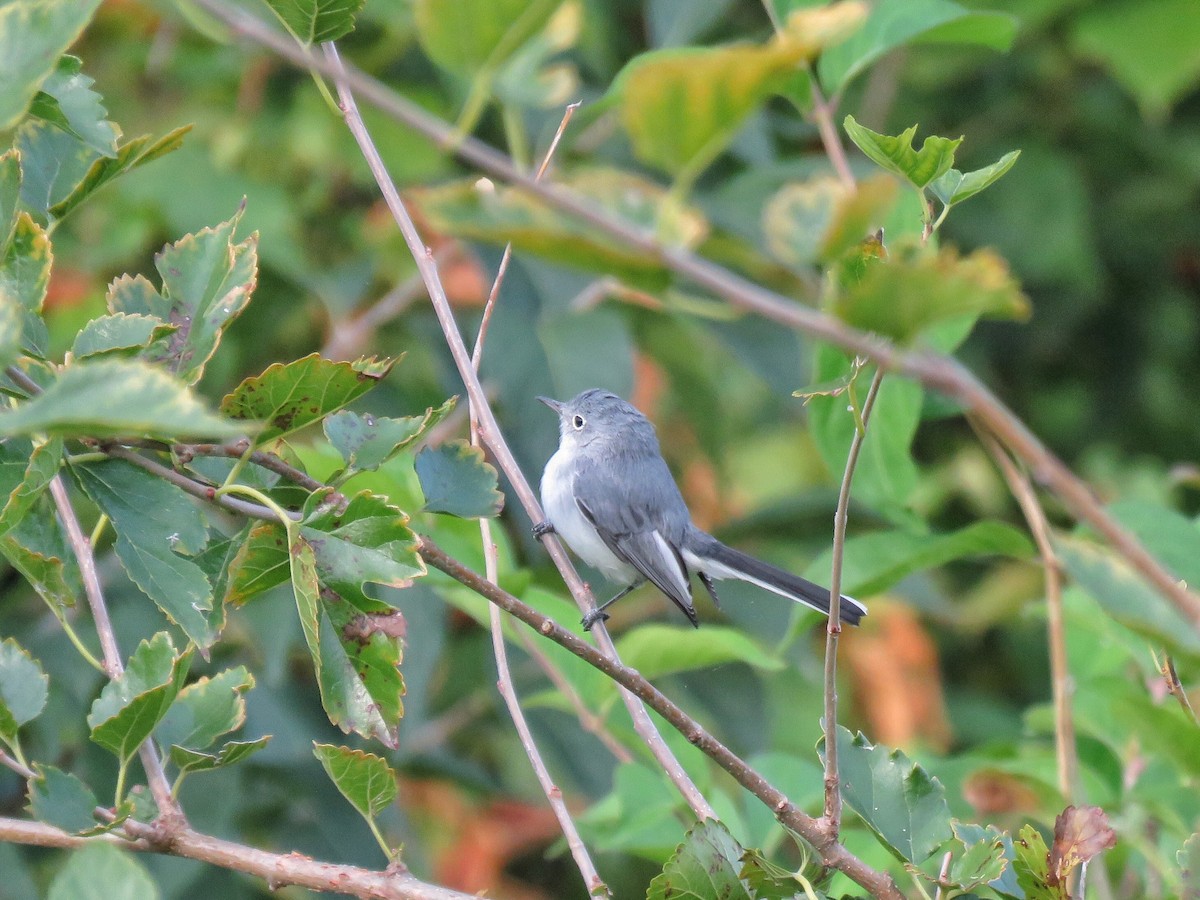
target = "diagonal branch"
x: 941, y: 373
x: 489, y: 432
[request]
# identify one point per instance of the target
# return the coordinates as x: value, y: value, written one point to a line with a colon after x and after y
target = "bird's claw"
x: 592, y: 618
x: 541, y: 529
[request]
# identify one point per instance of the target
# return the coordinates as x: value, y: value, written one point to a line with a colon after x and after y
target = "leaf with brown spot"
x: 291, y: 396
x: 1080, y: 833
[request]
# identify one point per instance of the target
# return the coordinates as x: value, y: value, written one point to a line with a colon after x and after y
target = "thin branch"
x: 269, y: 461
x: 491, y: 435
x: 277, y: 869
x: 832, y: 853
x: 81, y: 547
x: 347, y: 336
x: 833, y: 793
x: 504, y: 682
x: 822, y: 113
x: 1166, y: 668
x: 941, y: 373
x: 1060, y: 674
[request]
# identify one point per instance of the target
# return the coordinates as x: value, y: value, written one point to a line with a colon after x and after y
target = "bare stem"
x: 934, y: 370
x: 1060, y: 674
x: 812, y: 830
x: 822, y: 113
x: 1166, y: 668
x: 277, y: 869
x: 160, y: 788
x: 489, y: 430
x: 833, y: 793
x: 504, y: 682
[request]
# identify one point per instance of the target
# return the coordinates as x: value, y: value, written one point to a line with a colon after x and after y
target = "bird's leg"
x: 541, y: 529
x: 598, y: 614
x: 711, y: 588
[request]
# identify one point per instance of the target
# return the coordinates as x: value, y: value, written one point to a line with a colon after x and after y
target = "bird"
x: 608, y: 493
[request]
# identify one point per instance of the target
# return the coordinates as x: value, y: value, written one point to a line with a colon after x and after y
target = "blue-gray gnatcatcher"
x: 609, y: 494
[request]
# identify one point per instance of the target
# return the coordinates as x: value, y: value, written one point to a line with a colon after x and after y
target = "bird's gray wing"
x: 639, y: 514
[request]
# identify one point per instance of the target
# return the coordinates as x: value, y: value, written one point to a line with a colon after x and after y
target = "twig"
x: 347, y: 336
x: 943, y: 874
x: 1060, y: 673
x: 822, y: 112
x: 261, y: 458
x: 833, y: 793
x: 504, y: 681
x: 277, y: 869
x: 934, y: 370
x: 812, y: 830
x: 1166, y: 668
x: 491, y: 435
x: 156, y: 778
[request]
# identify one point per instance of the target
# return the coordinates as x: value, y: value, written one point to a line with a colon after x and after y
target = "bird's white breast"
x: 558, y: 499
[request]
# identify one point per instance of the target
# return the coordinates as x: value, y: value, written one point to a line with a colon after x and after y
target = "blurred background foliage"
x: 1098, y: 220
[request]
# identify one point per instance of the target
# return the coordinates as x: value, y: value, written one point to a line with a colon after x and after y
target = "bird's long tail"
x: 706, y: 554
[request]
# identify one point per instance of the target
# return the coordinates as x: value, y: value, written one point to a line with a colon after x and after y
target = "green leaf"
x: 1125, y: 596
x: 657, y: 650
x: 366, y: 442
x: 499, y: 215
x: 24, y: 278
x: 67, y: 101
x: 976, y: 836
x: 706, y: 864
x: 101, y: 871
x: 33, y: 34
x: 206, y: 709
x: 896, y: 154
x: 912, y: 292
x: 465, y: 36
x: 818, y: 220
x: 129, y: 707
x: 158, y: 527
x: 129, y: 156
x: 768, y: 881
x: 117, y: 398
x: 26, y: 470
x: 366, y: 541
x: 207, y: 282
x: 1033, y: 867
x: 12, y: 325
x: 231, y: 753
x: 1188, y: 858
x: 1171, y: 536
x: 896, y: 798
x: 894, y: 23
x: 457, y: 480
x: 976, y: 862
x: 10, y: 194
x: 37, y: 548
x: 359, y: 679
x: 1149, y: 48
x: 60, y: 799
x: 366, y: 780
x: 314, y: 21
x: 683, y: 105
x: 261, y: 563
x: 119, y: 334
x: 23, y: 689
x: 291, y: 396
x: 875, y: 562
x: 955, y: 187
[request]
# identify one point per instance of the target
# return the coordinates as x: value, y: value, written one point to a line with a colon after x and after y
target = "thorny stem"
x: 833, y: 792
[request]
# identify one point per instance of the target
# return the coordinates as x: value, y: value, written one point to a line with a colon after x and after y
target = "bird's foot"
x: 541, y: 529
x: 592, y: 618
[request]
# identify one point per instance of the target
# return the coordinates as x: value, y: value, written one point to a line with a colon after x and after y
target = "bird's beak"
x: 555, y: 405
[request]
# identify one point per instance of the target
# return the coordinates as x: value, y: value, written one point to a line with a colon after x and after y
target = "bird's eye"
x: 577, y: 421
